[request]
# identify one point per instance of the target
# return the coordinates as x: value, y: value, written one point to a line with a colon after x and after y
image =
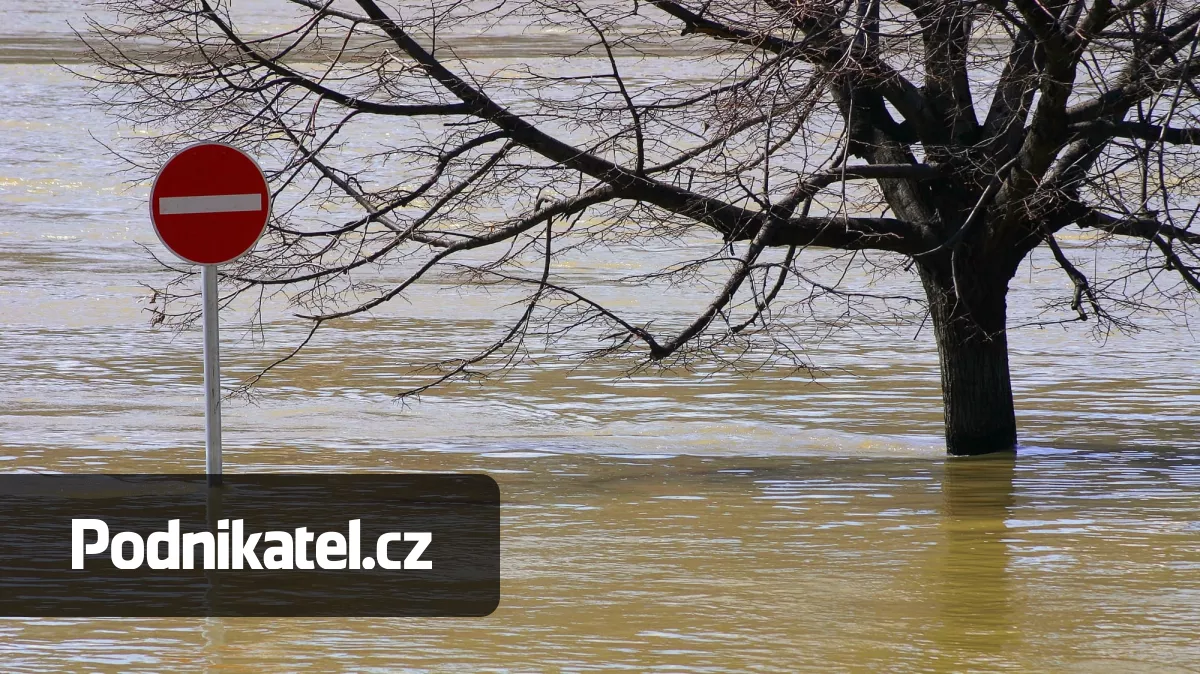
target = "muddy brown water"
x: 690, y: 522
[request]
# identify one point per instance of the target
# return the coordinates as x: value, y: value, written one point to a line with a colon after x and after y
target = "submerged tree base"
x: 984, y: 444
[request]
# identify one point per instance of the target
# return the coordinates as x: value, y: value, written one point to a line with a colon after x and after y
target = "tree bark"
x: 973, y: 351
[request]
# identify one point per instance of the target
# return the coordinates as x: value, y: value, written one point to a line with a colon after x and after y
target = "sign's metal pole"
x: 212, y: 378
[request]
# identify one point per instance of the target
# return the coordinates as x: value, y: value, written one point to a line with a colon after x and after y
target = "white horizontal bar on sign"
x: 217, y: 203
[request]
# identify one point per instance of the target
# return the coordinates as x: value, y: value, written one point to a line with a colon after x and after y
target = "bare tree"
x: 945, y: 138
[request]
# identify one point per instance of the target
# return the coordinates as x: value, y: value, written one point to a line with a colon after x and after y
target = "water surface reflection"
x: 973, y: 587
x: 1056, y: 561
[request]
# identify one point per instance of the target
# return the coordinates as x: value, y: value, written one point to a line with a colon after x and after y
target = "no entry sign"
x: 209, y: 203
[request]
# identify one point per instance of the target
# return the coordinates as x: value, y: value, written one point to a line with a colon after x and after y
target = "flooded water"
x: 667, y: 521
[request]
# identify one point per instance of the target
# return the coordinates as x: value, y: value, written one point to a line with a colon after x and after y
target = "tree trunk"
x: 973, y: 350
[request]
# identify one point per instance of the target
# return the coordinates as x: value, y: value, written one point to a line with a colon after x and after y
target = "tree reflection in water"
x: 974, y: 592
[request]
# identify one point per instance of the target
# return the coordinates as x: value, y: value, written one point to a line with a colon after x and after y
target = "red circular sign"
x: 209, y: 203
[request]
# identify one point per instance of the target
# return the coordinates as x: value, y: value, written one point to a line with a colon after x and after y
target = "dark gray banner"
x: 260, y: 545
